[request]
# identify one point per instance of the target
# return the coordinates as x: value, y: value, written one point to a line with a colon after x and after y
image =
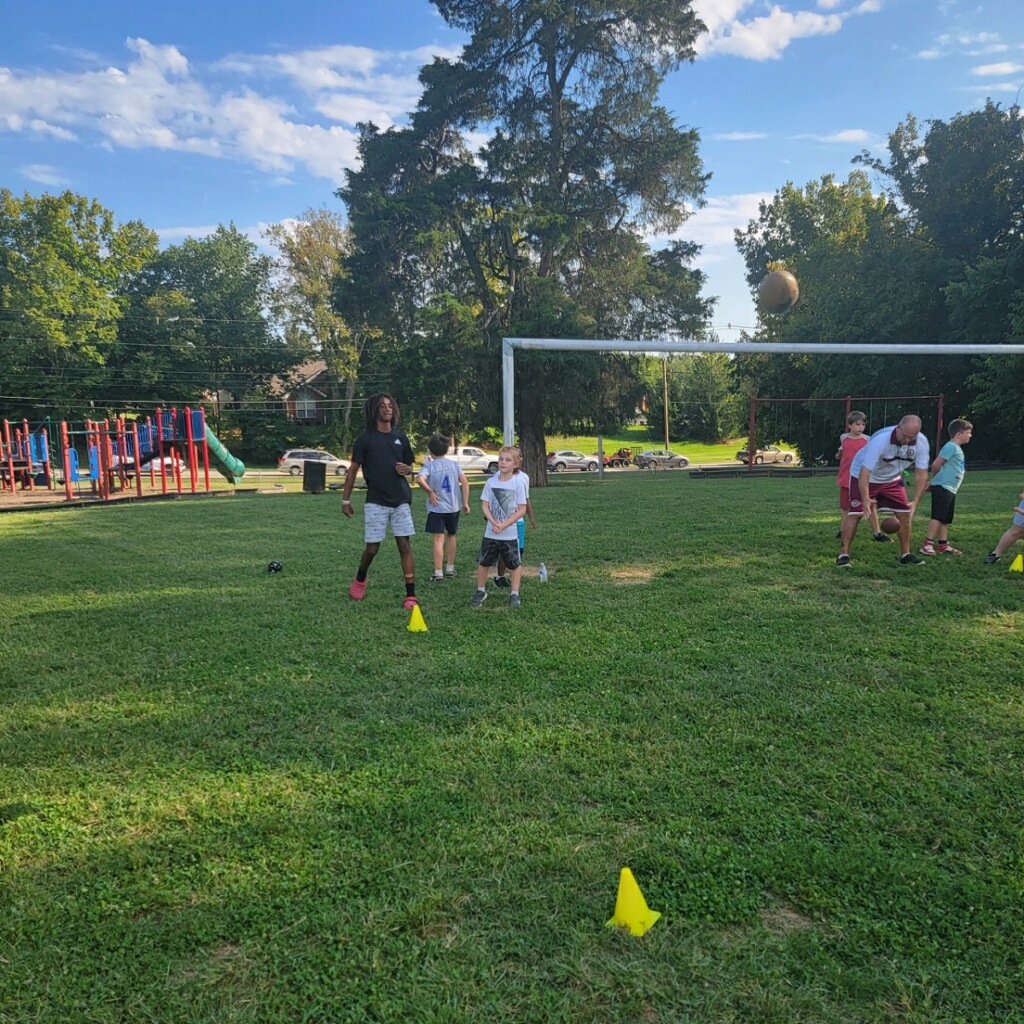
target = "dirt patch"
x: 628, y: 575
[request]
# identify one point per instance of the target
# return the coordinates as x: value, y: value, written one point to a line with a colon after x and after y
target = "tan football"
x: 778, y: 292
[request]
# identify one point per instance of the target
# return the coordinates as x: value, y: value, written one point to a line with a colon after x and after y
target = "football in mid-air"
x: 891, y: 525
x: 778, y: 292
x: 275, y: 566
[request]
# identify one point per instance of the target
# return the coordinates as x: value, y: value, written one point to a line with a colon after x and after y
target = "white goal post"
x: 509, y: 345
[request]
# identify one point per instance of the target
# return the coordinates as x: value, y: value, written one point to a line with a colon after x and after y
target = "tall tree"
x: 311, y: 252
x: 539, y: 231
x: 64, y: 265
x: 203, y: 307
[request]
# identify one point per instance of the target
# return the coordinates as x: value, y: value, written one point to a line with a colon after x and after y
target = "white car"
x: 294, y: 459
x: 470, y: 459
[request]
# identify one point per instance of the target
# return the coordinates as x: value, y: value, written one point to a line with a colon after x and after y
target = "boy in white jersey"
x: 504, y: 504
x: 500, y: 579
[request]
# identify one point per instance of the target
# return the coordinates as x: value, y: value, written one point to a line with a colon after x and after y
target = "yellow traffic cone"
x: 416, y: 623
x: 631, y: 910
x: 1017, y: 565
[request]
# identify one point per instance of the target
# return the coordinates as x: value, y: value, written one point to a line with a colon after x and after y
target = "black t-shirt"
x: 378, y: 454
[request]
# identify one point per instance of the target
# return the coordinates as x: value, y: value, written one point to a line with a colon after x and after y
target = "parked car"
x: 470, y: 458
x: 294, y: 459
x: 769, y: 453
x: 150, y: 462
x: 661, y: 458
x: 560, y: 461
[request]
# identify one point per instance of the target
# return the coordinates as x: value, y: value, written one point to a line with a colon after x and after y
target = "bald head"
x: 909, y: 427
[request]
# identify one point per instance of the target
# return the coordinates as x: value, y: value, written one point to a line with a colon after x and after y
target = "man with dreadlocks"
x: 386, y: 458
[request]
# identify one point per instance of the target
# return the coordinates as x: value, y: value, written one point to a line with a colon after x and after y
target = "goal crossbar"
x: 509, y: 345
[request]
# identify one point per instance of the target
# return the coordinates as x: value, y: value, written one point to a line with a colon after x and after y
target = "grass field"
x: 231, y: 796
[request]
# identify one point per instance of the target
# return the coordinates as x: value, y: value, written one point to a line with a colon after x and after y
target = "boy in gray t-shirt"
x: 443, y: 479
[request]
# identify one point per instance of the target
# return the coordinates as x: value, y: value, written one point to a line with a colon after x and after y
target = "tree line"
x: 450, y: 243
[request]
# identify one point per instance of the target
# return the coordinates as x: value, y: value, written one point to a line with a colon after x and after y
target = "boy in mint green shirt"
x: 947, y: 474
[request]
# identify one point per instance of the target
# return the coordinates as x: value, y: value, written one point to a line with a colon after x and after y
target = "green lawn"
x: 234, y: 796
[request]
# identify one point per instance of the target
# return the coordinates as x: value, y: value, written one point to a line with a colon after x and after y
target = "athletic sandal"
x: 927, y: 549
x: 357, y: 590
x: 948, y: 549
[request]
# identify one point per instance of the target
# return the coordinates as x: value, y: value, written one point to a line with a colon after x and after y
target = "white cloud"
x: 847, y: 135
x: 713, y: 224
x: 997, y: 70
x: 739, y: 136
x: 766, y: 37
x: 44, y: 174
x: 281, y: 113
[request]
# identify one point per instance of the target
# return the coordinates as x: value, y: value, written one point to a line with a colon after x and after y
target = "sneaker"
x: 991, y: 558
x: 948, y: 549
x: 478, y: 599
x: 928, y: 549
x: 502, y: 581
x: 513, y: 601
x: 450, y: 571
x: 882, y: 538
x: 436, y: 578
x: 911, y: 559
x: 357, y: 590
x: 843, y: 561
x: 409, y: 602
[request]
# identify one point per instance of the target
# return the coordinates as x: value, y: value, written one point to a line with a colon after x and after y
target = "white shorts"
x: 377, y: 519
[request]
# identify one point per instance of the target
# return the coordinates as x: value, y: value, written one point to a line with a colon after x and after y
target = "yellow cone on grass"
x: 631, y: 910
x: 1017, y: 565
x: 416, y: 623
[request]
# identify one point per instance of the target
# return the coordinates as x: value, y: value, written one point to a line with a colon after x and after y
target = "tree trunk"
x: 532, y: 442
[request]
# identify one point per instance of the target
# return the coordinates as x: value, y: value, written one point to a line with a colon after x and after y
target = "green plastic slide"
x: 223, y: 461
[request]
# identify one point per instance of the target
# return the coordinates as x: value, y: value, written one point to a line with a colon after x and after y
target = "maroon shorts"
x: 889, y: 497
x: 844, y: 499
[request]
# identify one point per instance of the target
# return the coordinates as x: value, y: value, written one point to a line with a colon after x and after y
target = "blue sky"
x: 190, y: 114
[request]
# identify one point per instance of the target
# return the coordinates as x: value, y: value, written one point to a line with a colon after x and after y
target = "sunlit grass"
x: 230, y: 795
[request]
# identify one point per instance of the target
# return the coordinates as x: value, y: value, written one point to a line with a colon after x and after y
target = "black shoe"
x: 502, y: 581
x: 991, y: 558
x: 843, y: 561
x: 911, y: 559
x: 883, y: 538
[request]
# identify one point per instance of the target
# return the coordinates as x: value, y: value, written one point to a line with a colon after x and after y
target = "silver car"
x: 295, y: 458
x: 559, y: 462
x: 661, y: 458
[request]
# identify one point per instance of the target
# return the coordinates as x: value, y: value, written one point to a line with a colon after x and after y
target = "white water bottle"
x: 542, y: 573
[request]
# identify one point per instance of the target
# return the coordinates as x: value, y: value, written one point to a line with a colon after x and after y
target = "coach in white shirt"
x: 879, y: 482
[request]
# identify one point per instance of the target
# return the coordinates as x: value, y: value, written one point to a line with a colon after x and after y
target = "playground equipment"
x: 173, y: 444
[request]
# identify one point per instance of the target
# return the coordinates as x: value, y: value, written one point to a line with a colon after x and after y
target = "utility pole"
x: 664, y: 388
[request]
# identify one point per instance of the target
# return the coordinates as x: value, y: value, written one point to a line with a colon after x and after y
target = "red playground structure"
x: 174, y: 449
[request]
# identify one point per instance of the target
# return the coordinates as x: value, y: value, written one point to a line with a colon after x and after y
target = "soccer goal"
x: 509, y: 346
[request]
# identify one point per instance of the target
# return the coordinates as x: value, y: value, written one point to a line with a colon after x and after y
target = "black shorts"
x: 491, y: 549
x: 443, y: 522
x: 942, y: 505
